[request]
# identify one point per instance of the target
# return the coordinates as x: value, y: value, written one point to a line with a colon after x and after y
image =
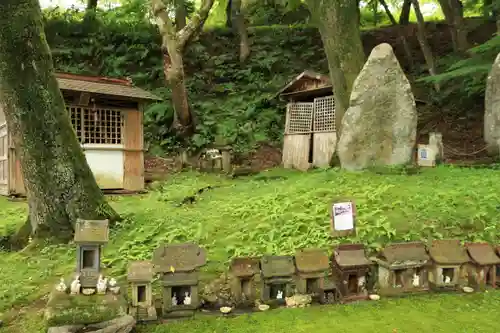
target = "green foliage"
x: 466, y: 78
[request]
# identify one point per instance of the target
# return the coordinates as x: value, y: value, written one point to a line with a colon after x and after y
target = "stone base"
x: 65, y: 309
x: 123, y: 324
x: 143, y: 314
x: 179, y: 314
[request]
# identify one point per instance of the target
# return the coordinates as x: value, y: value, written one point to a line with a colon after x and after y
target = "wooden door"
x: 4, y: 164
x: 325, y: 135
x: 297, y: 140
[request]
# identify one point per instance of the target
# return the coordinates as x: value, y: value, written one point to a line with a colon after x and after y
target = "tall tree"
x: 180, y: 14
x: 402, y: 37
x: 59, y: 184
x: 454, y: 15
x: 91, y: 5
x: 424, y: 43
x: 174, y: 44
x: 240, y: 27
x: 338, y: 23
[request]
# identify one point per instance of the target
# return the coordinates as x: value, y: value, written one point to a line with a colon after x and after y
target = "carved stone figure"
x: 279, y: 295
x: 102, y: 285
x: 174, y: 300
x: 61, y: 286
x: 187, y: 298
x: 76, y: 285
x: 416, y: 280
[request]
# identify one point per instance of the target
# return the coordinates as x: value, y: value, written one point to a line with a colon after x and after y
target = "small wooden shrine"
x: 90, y: 236
x: 277, y: 278
x: 178, y: 264
x: 313, y: 266
x: 402, y: 268
x: 140, y: 276
x: 448, y: 266
x: 244, y: 271
x: 350, y: 268
x: 483, y: 266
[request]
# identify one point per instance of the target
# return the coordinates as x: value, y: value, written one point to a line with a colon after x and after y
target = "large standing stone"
x: 492, y: 110
x: 380, y: 126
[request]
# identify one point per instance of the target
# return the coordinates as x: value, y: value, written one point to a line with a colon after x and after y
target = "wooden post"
x: 226, y: 160
x: 436, y: 142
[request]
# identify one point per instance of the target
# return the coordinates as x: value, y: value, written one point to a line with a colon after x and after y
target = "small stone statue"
x: 75, y: 285
x: 112, y: 283
x: 416, y: 280
x: 174, y: 300
x: 447, y: 279
x: 279, y: 295
x: 361, y: 283
x: 61, y: 286
x: 187, y: 298
x: 102, y: 285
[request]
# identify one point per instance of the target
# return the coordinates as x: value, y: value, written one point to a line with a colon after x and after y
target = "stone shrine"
x: 178, y: 264
x: 90, y: 236
x: 277, y: 278
x: 244, y: 271
x: 313, y: 266
x: 140, y: 275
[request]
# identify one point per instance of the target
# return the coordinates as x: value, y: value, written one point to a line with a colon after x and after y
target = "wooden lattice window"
x: 299, y: 118
x: 324, y: 114
x: 97, y: 126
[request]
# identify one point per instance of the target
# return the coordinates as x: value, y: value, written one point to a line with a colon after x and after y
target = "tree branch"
x: 165, y: 25
x: 195, y: 24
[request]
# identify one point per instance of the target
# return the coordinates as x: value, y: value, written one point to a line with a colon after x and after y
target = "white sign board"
x: 426, y: 156
x: 343, y: 216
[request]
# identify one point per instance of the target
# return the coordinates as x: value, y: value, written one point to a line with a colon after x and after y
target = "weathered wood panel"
x: 296, y: 148
x: 323, y: 148
x: 16, y: 180
x: 134, y: 154
x: 4, y: 160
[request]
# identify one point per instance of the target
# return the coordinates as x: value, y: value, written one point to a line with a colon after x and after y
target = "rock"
x: 492, y: 110
x: 64, y: 309
x: 88, y: 291
x: 124, y: 324
x: 225, y: 309
x: 298, y: 301
x: 374, y: 297
x: 65, y: 329
x: 468, y: 290
x: 263, y: 307
x: 379, y: 128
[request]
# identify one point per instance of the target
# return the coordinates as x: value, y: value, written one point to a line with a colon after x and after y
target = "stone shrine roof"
x: 312, y: 260
x: 91, y: 231
x: 448, y: 252
x: 245, y: 266
x: 178, y: 258
x: 140, y: 271
x: 482, y: 253
x: 277, y: 266
x: 400, y: 254
x: 351, y: 256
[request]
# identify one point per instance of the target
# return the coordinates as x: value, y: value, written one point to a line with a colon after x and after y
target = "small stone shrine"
x: 350, y: 268
x: 244, y: 271
x: 448, y: 268
x: 402, y: 268
x: 90, y: 236
x: 178, y: 264
x: 140, y: 276
x: 313, y: 266
x: 483, y: 266
x: 277, y: 278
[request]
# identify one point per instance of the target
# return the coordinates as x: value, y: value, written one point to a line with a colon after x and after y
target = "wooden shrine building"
x: 106, y: 115
x: 310, y: 133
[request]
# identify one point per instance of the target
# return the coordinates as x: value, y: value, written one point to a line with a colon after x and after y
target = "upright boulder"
x: 380, y: 126
x: 492, y: 110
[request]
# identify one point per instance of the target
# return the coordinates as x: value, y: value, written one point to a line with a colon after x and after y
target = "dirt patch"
x: 264, y: 157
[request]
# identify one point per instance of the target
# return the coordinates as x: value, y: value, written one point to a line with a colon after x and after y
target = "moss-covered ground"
x: 277, y: 212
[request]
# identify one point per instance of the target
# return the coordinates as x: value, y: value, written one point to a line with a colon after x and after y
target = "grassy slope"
x: 252, y: 216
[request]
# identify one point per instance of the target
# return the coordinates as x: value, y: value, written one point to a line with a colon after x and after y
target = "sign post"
x: 343, y: 219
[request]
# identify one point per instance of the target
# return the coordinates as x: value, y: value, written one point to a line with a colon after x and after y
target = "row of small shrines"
x: 344, y: 276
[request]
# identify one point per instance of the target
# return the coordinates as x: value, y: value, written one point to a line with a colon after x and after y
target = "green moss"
x: 65, y: 309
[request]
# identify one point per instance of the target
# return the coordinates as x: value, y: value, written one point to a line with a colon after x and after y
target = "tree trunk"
x: 402, y: 36
x: 404, y: 18
x: 173, y: 44
x: 453, y: 12
x: 241, y: 29
x: 180, y: 14
x: 338, y: 24
x: 229, y: 19
x: 91, y: 5
x: 424, y: 43
x: 59, y: 184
